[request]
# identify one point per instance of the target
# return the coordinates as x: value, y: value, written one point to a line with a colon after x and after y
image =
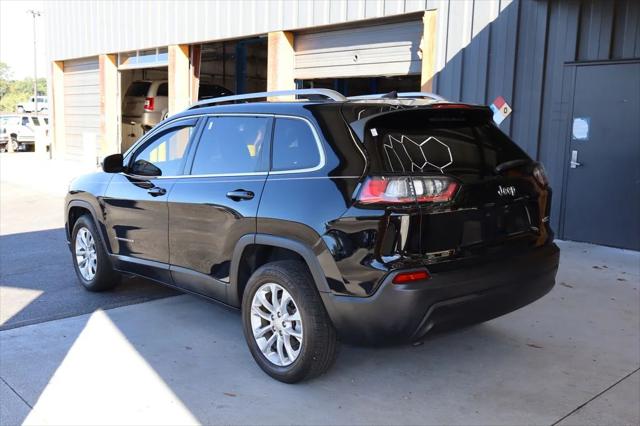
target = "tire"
x: 14, y: 144
x: 101, y: 277
x: 316, y: 350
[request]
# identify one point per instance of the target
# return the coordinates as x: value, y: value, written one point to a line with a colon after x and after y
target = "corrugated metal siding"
x: 485, y: 48
x: 79, y: 29
x: 81, y: 108
x: 390, y: 49
x: 518, y: 50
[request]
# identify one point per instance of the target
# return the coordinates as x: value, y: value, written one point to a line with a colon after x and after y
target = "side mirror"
x: 113, y: 163
x: 145, y: 168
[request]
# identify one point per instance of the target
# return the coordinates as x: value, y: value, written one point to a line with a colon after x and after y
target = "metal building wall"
x: 485, y: 48
x: 520, y: 50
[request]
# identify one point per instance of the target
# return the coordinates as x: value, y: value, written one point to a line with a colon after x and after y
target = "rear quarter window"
x: 294, y: 145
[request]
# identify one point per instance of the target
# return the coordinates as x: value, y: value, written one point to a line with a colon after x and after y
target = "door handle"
x: 240, y: 194
x: 156, y: 191
x: 574, y: 159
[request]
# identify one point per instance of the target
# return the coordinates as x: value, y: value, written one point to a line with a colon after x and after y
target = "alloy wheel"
x: 276, y: 324
x: 86, y: 255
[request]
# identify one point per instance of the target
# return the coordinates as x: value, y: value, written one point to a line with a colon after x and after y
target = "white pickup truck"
x: 30, y: 105
x: 19, y: 132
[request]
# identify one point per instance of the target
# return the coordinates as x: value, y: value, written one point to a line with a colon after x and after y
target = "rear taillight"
x: 148, y: 104
x: 434, y: 189
x: 409, y: 277
x: 540, y: 175
x: 403, y: 190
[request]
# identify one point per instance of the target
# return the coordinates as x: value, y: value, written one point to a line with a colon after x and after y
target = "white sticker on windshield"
x: 374, y: 132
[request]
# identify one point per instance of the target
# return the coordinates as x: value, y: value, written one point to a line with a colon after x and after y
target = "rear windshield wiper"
x: 511, y: 164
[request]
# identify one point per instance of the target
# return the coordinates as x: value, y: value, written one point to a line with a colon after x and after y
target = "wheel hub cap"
x: 86, y: 255
x: 276, y: 324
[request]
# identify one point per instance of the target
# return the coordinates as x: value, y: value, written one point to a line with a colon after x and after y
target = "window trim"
x: 171, y: 122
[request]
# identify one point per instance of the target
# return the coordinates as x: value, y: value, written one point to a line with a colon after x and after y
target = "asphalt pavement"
x: 37, y: 280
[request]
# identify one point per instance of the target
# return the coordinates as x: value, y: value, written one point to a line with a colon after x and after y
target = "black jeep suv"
x: 372, y: 220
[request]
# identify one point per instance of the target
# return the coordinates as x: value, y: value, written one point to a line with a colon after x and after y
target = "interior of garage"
x: 219, y: 69
x: 364, y: 85
x: 233, y: 67
x: 137, y: 111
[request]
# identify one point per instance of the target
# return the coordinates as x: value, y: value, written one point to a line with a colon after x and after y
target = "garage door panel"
x: 81, y: 108
x: 360, y: 38
x: 82, y: 90
x: 391, y: 49
x: 83, y: 80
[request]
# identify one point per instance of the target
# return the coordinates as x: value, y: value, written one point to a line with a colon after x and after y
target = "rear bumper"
x: 402, y: 313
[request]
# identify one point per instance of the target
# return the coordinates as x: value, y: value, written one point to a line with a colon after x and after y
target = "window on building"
x: 231, y: 145
x: 294, y: 145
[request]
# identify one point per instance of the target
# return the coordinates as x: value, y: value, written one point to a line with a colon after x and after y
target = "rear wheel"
x: 285, y: 324
x: 90, y: 260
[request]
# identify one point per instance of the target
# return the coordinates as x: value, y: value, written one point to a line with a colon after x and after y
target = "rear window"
x: 138, y: 88
x: 438, y: 141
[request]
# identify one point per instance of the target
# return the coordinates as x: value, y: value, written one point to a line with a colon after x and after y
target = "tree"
x: 13, y: 92
x: 5, y: 76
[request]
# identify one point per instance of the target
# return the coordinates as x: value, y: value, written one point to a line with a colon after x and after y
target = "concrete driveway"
x: 571, y: 358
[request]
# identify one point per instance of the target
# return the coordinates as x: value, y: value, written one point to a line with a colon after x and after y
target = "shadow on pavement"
x: 38, y: 283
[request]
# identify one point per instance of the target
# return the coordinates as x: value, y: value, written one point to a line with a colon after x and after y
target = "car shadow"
x: 39, y: 284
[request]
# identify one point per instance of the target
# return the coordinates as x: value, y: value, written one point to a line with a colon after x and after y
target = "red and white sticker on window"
x: 501, y: 110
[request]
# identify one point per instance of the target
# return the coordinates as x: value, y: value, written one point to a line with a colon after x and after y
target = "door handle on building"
x: 574, y: 159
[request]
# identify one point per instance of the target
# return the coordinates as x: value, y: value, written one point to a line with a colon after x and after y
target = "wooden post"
x: 428, y: 48
x: 109, y: 142
x: 56, y: 126
x: 194, y: 71
x: 280, y: 61
x: 179, y: 78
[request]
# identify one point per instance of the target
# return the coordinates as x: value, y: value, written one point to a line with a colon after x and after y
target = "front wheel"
x: 90, y: 259
x: 14, y: 144
x: 285, y: 323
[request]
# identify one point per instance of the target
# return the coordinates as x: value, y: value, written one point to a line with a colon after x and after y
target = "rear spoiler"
x: 476, y: 112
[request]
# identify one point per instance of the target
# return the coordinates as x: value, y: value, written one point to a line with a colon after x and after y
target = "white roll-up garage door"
x: 81, y: 108
x: 374, y: 50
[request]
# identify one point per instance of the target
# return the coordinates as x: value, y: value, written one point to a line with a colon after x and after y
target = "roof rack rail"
x: 404, y: 95
x: 328, y: 93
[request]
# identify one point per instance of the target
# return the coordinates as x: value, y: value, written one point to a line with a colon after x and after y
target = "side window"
x: 25, y: 121
x: 294, y: 145
x: 231, y: 145
x: 163, y: 155
x: 163, y: 89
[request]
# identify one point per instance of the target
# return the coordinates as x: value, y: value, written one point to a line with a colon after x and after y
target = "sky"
x: 16, y: 37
